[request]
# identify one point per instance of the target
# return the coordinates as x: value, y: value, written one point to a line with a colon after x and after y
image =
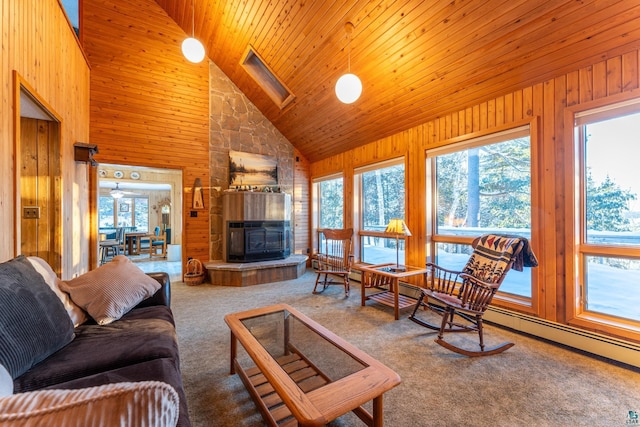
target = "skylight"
x: 266, y: 79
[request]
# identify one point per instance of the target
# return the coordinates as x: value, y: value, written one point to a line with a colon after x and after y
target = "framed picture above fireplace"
x: 252, y: 169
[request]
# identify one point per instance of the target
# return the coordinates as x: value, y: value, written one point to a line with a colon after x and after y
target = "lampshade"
x: 193, y: 50
x: 397, y: 227
x: 348, y: 88
x: 116, y: 193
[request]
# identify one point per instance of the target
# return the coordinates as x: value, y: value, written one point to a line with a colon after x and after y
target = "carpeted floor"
x: 533, y: 384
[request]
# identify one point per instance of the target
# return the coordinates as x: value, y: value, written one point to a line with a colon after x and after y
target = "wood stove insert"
x: 258, y: 241
x: 257, y: 227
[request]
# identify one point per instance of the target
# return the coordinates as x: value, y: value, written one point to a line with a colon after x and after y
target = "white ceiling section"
x: 124, y: 185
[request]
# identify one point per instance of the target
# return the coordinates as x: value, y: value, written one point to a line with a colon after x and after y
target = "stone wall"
x: 236, y: 124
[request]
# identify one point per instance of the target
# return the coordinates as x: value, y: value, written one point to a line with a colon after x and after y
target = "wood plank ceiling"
x: 416, y: 59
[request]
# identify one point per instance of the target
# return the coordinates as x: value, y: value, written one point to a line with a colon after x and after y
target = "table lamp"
x: 398, y: 228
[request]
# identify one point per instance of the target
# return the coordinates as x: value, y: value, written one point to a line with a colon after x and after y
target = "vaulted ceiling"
x: 416, y: 59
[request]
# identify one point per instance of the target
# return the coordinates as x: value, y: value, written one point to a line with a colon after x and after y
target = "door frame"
x: 174, y: 177
x: 55, y: 153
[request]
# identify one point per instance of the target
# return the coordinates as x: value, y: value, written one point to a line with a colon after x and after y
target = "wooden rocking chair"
x: 334, y: 258
x: 467, y: 294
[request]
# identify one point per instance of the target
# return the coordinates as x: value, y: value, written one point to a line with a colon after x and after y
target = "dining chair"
x: 157, y: 244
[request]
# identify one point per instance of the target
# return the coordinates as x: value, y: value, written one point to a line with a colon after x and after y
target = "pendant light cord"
x: 349, y: 54
x: 348, y: 28
x: 193, y: 19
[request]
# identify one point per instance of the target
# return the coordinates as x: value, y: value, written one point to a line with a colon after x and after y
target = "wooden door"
x: 38, y: 181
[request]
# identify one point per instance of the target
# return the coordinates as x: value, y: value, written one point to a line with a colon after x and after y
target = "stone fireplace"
x: 257, y: 226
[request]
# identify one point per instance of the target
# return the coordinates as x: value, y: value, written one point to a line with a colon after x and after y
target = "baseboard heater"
x: 590, y: 342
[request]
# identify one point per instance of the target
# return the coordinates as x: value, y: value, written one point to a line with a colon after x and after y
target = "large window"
x: 380, y: 198
x: 608, y: 214
x: 481, y: 186
x: 106, y: 212
x: 328, y: 205
x: 141, y: 213
x: 123, y: 212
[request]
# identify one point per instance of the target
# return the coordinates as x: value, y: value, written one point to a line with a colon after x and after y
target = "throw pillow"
x: 77, y: 315
x: 145, y: 403
x: 111, y: 290
x: 34, y: 323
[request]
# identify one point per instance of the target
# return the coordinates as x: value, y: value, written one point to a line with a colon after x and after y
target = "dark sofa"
x: 140, y: 346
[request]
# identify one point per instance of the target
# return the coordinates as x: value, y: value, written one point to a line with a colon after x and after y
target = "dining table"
x: 133, y: 240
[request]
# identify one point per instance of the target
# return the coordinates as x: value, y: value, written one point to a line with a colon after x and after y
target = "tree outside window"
x: 328, y: 206
x: 123, y: 212
x: 382, y: 197
x: 331, y: 203
x: 106, y: 216
x: 141, y: 214
x: 483, y: 189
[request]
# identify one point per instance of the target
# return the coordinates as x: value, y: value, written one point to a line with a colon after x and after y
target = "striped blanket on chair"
x: 494, y: 255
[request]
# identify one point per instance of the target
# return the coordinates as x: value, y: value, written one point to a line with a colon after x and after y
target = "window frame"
x: 359, y: 208
x: 576, y: 232
x: 131, y: 210
x: 535, y: 304
x: 316, y: 204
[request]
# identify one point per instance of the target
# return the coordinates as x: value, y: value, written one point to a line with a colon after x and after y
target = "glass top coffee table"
x: 300, y: 373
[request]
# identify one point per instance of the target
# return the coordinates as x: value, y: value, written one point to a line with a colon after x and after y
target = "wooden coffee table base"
x: 289, y: 389
x: 271, y: 406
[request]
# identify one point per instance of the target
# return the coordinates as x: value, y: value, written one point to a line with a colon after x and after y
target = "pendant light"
x: 348, y: 86
x: 192, y: 49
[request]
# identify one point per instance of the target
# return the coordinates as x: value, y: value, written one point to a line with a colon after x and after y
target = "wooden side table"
x: 380, y: 275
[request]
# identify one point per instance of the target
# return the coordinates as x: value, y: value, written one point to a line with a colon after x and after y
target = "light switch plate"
x: 31, y: 212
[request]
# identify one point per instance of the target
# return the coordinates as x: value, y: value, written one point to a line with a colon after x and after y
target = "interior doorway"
x: 38, y: 161
x: 146, y: 203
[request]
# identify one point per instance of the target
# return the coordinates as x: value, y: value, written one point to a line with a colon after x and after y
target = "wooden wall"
x: 39, y: 45
x: 149, y: 105
x: 542, y: 105
x: 301, y: 204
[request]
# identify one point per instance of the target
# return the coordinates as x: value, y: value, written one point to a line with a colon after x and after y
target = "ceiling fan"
x: 117, y: 193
